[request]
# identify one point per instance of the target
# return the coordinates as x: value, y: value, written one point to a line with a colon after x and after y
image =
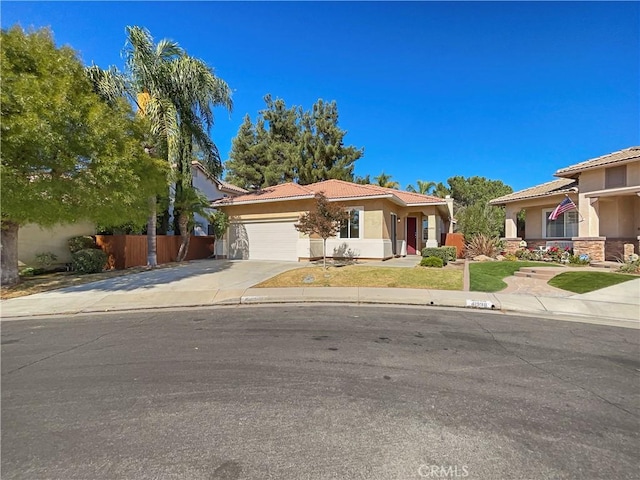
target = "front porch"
x: 602, y: 227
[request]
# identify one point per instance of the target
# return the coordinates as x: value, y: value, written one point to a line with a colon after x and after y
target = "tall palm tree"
x: 425, y: 188
x: 384, y: 180
x: 176, y: 94
x: 196, y: 91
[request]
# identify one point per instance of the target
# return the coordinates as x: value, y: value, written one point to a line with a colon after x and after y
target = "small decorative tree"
x: 219, y: 221
x: 323, y: 221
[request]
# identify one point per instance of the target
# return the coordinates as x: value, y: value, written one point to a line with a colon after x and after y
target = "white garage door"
x: 263, y: 241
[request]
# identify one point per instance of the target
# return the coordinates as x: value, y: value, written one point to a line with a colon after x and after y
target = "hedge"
x: 81, y: 243
x: 432, y: 262
x: 89, y: 260
x: 447, y: 254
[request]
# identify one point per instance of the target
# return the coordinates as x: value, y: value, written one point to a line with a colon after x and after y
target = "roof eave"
x: 426, y: 204
x: 498, y: 201
x: 565, y: 173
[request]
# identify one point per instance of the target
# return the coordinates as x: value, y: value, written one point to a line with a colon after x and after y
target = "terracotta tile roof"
x: 333, y: 190
x: 285, y: 191
x: 554, y: 187
x: 621, y: 156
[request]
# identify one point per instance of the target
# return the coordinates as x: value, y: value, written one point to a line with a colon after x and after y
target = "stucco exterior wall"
x: 591, y: 180
x: 34, y: 239
x: 375, y: 235
x: 633, y: 173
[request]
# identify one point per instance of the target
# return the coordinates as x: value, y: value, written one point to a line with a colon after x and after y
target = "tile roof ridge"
x: 585, y: 162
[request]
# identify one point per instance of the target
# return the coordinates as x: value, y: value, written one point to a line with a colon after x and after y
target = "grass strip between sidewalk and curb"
x: 487, y: 276
x: 584, y: 282
x: 362, y: 276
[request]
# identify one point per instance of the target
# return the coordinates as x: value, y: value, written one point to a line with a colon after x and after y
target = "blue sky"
x: 506, y: 90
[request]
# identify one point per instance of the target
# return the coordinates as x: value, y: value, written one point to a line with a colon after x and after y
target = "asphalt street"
x: 318, y: 392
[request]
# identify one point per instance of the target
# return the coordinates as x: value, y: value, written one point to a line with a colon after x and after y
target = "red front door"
x: 412, y: 235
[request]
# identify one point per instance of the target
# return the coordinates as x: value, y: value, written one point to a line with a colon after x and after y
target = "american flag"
x: 564, y: 206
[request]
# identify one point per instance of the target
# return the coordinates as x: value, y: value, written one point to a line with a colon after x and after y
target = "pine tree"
x: 291, y: 145
x: 323, y: 154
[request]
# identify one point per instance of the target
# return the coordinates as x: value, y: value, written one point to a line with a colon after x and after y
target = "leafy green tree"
x: 473, y: 213
x: 472, y: 190
x: 323, y: 220
x: 425, y: 188
x: 480, y: 218
x: 290, y: 145
x: 66, y: 154
x: 384, y: 180
x: 219, y: 220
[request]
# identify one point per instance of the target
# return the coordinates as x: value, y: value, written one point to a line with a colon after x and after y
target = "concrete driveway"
x: 195, y: 283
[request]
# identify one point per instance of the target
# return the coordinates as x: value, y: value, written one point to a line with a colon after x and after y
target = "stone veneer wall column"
x: 628, y: 251
x: 592, y: 246
x: 511, y: 245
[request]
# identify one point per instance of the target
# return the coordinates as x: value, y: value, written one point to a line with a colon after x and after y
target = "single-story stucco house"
x: 606, y: 192
x: 384, y: 222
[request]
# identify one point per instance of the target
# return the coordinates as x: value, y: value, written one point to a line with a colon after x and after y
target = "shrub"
x: 525, y: 254
x: 483, y: 245
x: 89, y: 260
x: 447, y: 254
x: 46, y: 258
x: 632, y: 266
x: 432, y: 262
x: 579, y: 259
x: 28, y: 272
x: 81, y: 243
x: 510, y: 257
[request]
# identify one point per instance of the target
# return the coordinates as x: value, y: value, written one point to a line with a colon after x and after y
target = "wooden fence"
x: 126, y: 251
x: 455, y: 240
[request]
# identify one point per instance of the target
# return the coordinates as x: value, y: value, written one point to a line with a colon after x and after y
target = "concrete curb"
x: 566, y: 308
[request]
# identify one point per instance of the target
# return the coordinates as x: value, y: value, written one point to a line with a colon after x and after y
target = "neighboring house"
x: 606, y: 191
x: 214, y: 189
x: 34, y: 239
x: 383, y: 222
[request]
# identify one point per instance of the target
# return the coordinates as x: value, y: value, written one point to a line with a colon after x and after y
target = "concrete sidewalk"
x: 211, y: 283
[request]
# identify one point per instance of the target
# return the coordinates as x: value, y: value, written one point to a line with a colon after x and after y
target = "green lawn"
x: 487, y: 276
x: 583, y: 282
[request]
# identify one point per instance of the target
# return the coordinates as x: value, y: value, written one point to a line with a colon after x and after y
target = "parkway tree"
x: 66, y: 154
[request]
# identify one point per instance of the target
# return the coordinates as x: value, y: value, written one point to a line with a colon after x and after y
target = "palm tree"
x: 176, y: 94
x: 196, y: 92
x: 384, y: 180
x: 362, y: 180
x: 425, y: 188
x: 191, y: 201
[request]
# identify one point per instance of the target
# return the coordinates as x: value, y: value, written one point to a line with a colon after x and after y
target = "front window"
x: 425, y: 229
x: 565, y: 226
x: 615, y: 177
x: 351, y: 229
